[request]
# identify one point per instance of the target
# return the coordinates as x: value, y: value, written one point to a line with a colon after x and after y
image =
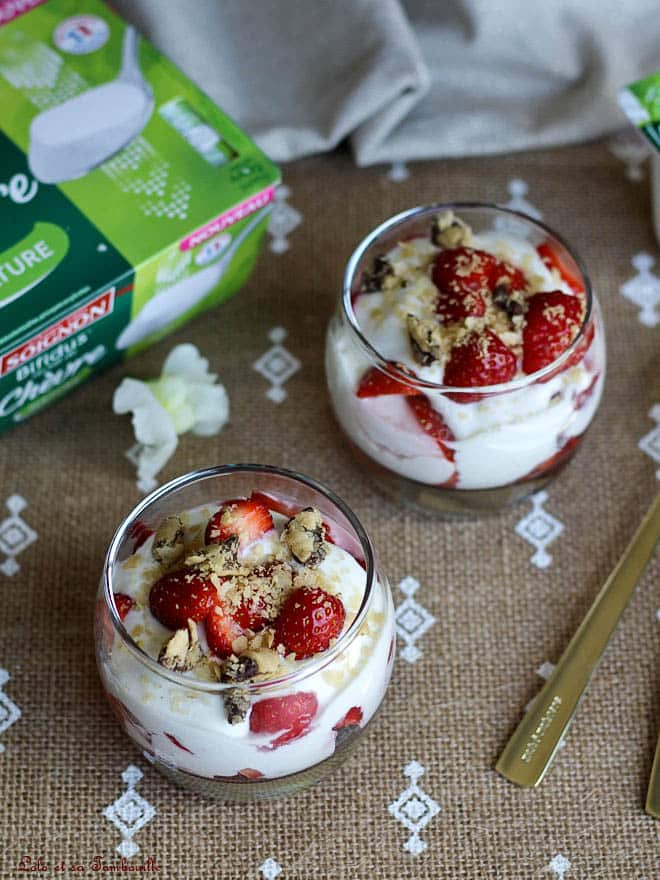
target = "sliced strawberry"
x: 139, y: 533
x: 463, y: 276
x: 352, y: 717
x: 432, y: 422
x: 292, y: 714
x: 555, y: 460
x: 553, y: 260
x: 176, y: 742
x: 250, y: 614
x: 552, y: 322
x: 583, y: 396
x: 308, y: 621
x: 123, y: 604
x: 276, y: 504
x: 249, y: 773
x: 131, y: 723
x: 180, y: 596
x: 221, y: 631
x: 247, y: 518
x: 376, y: 382
x: 480, y: 359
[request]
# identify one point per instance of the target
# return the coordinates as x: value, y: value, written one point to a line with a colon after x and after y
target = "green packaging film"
x: 640, y: 101
x: 128, y: 201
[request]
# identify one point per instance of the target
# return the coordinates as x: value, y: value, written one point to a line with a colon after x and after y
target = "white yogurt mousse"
x: 497, y: 440
x: 189, y: 730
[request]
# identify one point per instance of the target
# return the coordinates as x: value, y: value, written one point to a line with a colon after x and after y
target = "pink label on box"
x: 11, y: 9
x: 222, y: 221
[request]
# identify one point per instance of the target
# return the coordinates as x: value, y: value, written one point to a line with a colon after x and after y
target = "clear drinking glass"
x: 179, y: 721
x: 507, y: 440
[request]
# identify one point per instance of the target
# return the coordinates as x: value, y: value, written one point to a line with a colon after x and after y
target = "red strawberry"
x: 462, y: 275
x: 276, y: 504
x: 247, y: 518
x: 180, y: 596
x: 250, y: 614
x: 554, y: 260
x: 221, y: 630
x: 555, y: 460
x: 552, y: 322
x: 292, y: 714
x: 582, y: 398
x: 479, y: 359
x: 433, y: 423
x: 249, y: 773
x: 309, y: 619
x: 123, y: 604
x: 376, y: 382
x: 140, y: 533
x: 353, y: 716
x: 176, y: 742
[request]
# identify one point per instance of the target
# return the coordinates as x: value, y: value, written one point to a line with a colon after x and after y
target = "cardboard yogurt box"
x: 128, y: 201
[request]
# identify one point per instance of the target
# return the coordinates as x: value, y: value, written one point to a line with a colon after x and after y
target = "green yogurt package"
x: 640, y: 101
x: 128, y: 201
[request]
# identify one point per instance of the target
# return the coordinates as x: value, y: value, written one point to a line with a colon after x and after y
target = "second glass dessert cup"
x: 178, y: 719
x: 440, y: 447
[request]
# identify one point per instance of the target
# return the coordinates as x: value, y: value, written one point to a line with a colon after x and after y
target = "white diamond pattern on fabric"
x: 559, y: 866
x: 9, y: 711
x: 412, y: 620
x: 15, y: 535
x: 650, y: 443
x: 269, y: 870
x: 414, y: 809
x: 283, y: 220
x: 632, y: 148
x: 129, y: 812
x: 277, y: 365
x: 540, y: 528
x: 398, y: 172
x: 643, y: 289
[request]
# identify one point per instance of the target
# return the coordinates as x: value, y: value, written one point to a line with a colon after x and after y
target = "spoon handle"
x: 530, y: 751
x: 653, y: 795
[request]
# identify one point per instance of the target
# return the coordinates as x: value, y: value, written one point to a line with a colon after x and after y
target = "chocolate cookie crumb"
x: 512, y: 302
x: 304, y: 535
x: 426, y: 339
x: 237, y: 700
x: 449, y: 231
x: 182, y: 652
x: 167, y: 547
x: 373, y: 281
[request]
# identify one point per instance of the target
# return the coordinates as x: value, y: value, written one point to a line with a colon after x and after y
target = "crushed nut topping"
x: 426, y: 338
x: 237, y: 700
x: 304, y: 535
x: 183, y: 651
x: 220, y: 560
x: 167, y: 547
x: 449, y: 231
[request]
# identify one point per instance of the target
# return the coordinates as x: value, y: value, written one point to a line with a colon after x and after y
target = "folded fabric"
x: 409, y: 79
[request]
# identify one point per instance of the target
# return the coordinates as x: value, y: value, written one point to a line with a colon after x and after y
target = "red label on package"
x: 69, y: 325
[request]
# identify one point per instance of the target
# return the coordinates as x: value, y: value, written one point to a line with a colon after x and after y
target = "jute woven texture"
x: 498, y: 617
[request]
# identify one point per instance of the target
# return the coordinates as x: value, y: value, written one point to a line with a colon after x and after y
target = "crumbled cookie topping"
x: 427, y: 339
x: 304, y: 535
x: 237, y: 700
x: 183, y: 651
x: 168, y: 547
x: 374, y: 280
x: 449, y: 231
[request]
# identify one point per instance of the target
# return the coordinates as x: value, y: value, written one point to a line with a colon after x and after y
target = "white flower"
x: 184, y: 398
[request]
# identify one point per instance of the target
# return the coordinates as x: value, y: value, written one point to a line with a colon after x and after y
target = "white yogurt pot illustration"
x: 72, y: 138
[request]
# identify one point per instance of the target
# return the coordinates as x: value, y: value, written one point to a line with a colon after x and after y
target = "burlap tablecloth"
x: 498, y: 617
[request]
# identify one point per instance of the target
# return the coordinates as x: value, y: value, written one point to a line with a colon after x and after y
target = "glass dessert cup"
x: 441, y: 447
x: 179, y: 720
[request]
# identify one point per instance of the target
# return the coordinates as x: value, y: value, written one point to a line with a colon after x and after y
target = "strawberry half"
x: 552, y: 322
x: 376, y: 382
x: 276, y: 504
x: 180, y: 596
x: 292, y: 714
x: 462, y: 275
x: 247, y: 518
x: 553, y: 260
x: 308, y: 621
x: 480, y: 359
x: 221, y: 631
x: 432, y: 422
x: 123, y: 604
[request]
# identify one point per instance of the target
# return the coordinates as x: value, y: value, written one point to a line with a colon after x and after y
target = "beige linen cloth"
x: 409, y: 79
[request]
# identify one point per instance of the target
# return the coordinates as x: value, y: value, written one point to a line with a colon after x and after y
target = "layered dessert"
x: 257, y: 612
x: 466, y: 360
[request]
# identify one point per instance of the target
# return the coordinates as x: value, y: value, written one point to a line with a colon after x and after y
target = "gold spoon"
x: 530, y: 751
